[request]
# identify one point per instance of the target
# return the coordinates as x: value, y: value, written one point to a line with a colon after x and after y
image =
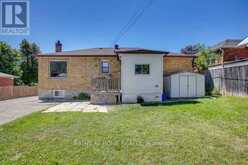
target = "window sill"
x: 142, y: 74
x: 57, y: 78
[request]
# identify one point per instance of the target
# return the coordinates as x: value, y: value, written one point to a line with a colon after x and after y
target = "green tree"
x: 29, y: 63
x: 205, y: 57
x: 10, y: 60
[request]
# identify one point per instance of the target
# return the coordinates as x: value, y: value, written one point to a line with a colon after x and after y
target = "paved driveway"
x: 16, y: 108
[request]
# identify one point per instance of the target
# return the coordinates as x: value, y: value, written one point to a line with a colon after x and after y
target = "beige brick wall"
x: 80, y: 72
x: 177, y: 64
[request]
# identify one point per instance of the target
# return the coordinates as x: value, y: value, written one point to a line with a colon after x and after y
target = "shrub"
x: 209, y: 92
x: 151, y: 104
x: 140, y: 100
x: 215, y: 92
x: 82, y: 96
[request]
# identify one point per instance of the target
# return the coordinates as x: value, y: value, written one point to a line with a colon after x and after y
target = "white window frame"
x: 109, y: 70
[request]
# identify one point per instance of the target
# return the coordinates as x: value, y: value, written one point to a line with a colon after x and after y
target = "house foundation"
x: 105, y: 97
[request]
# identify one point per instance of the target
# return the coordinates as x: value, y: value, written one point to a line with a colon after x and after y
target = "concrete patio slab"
x: 78, y: 107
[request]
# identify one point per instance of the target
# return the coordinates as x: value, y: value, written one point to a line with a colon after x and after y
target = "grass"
x: 209, y: 131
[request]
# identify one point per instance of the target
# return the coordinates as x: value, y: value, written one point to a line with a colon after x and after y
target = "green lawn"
x: 212, y: 131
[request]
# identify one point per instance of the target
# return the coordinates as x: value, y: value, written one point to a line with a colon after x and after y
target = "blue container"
x: 164, y: 97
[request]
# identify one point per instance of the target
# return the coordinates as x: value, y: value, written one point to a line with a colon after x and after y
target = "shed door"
x: 187, y: 85
x: 183, y: 86
x: 175, y: 86
x: 191, y: 86
x: 200, y: 85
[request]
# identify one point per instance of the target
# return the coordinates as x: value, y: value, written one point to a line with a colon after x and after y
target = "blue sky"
x: 166, y: 25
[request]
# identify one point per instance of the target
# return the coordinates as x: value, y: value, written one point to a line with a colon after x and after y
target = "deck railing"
x: 100, y: 84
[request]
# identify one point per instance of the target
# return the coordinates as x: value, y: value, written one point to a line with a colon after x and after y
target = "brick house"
x: 231, y: 50
x: 137, y: 71
x: 6, y: 79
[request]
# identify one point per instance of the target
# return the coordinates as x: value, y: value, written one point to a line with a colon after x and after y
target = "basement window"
x: 58, y: 69
x: 105, y: 67
x: 142, y: 69
x: 58, y: 93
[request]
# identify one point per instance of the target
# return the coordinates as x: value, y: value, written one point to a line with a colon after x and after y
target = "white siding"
x: 150, y: 86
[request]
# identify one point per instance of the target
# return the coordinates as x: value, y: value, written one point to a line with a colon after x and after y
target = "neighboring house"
x: 177, y: 62
x: 65, y: 74
x: 231, y: 50
x: 6, y: 79
x: 243, y: 44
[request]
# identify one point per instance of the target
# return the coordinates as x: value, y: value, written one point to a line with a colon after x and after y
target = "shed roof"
x: 7, y: 75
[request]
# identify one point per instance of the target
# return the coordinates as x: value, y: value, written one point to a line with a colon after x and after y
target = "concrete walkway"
x: 78, y: 107
x: 16, y: 108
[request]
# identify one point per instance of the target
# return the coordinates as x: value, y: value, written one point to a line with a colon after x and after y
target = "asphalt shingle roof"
x: 103, y: 52
x: 229, y: 43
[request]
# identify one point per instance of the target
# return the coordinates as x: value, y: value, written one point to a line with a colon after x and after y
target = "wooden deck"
x: 105, y: 91
x: 107, y: 85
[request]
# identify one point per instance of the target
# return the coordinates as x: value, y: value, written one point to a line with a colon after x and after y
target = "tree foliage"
x: 21, y: 63
x: 29, y: 64
x: 205, y: 57
x: 10, y: 60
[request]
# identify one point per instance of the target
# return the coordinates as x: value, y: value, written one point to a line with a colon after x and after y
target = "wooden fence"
x: 230, y: 79
x: 10, y: 92
x: 99, y: 84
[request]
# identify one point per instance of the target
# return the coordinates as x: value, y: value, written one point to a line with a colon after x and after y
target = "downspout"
x: 222, y: 73
x: 119, y: 59
x: 222, y: 55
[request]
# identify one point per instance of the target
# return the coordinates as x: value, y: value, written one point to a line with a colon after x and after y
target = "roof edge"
x: 73, y: 55
x: 141, y: 52
x: 229, y: 62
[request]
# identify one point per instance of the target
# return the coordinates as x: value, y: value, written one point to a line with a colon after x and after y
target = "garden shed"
x: 184, y: 85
